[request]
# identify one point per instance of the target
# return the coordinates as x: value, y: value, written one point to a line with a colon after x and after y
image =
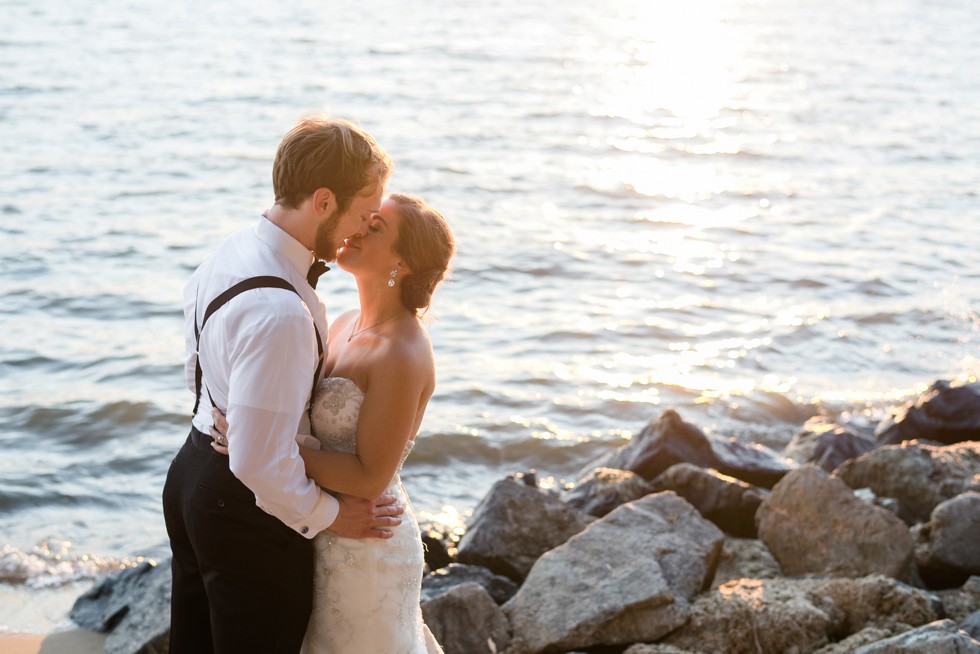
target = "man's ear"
x: 324, y: 201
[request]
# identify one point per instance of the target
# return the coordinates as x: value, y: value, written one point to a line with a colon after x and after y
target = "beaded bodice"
x: 334, y: 412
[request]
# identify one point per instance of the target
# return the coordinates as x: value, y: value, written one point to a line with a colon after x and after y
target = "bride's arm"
x: 389, y: 416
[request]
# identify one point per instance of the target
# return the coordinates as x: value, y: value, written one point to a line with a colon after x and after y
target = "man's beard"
x: 324, y: 245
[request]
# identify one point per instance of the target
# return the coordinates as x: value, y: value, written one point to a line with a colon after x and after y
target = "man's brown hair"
x: 322, y: 152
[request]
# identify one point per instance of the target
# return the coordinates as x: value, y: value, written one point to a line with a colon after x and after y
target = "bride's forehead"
x: 389, y: 212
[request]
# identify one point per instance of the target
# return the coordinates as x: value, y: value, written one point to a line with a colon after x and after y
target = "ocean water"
x: 752, y: 211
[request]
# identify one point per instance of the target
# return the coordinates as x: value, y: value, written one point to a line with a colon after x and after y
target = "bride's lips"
x: 349, y: 243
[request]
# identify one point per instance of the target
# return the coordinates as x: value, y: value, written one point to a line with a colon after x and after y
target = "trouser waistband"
x: 201, y: 441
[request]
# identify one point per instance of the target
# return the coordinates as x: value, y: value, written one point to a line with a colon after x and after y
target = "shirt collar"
x: 277, y: 238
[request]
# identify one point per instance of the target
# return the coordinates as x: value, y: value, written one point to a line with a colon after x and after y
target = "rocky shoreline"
x: 849, y: 540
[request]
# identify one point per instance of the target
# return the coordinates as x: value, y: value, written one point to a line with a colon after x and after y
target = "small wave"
x: 877, y: 288
x: 51, y: 563
x: 555, y: 455
x: 89, y: 424
x: 807, y: 282
x: 32, y: 362
x: 105, y: 307
x: 879, y: 318
x: 144, y: 193
x: 37, y: 492
x: 658, y: 222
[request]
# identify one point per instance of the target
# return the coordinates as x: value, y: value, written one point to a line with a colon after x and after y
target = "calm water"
x: 752, y: 211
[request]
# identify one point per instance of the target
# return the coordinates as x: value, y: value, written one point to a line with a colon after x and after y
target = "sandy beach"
x: 73, y: 641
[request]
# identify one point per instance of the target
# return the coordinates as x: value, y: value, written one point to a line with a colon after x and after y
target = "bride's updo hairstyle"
x: 426, y: 245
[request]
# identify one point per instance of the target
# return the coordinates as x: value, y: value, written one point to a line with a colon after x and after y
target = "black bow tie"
x: 317, y: 269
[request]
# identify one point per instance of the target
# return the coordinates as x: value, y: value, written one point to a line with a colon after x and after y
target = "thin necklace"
x: 359, y: 331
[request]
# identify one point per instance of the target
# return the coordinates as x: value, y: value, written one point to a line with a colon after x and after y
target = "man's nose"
x: 361, y: 228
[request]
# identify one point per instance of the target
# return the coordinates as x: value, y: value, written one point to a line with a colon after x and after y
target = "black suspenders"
x: 267, y: 281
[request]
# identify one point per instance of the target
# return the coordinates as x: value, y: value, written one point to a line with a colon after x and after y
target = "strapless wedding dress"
x: 366, y: 592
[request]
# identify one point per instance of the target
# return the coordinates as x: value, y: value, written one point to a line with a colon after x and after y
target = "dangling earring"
x: 391, y: 282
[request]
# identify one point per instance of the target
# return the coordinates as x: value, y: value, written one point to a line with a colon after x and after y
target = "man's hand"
x: 360, y: 518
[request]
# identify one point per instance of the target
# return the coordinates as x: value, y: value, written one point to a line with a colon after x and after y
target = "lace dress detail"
x: 366, y: 592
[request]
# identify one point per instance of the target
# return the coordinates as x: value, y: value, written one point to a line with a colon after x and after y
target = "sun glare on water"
x: 679, y: 60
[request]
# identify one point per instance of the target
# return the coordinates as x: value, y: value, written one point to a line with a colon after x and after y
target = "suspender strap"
x: 266, y: 281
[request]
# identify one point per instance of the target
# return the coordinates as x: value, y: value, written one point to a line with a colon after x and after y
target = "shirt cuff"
x: 323, y: 515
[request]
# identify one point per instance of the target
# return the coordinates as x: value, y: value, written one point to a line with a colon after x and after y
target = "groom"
x: 241, y: 526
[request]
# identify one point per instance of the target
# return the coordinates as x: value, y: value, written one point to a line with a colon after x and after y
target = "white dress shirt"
x: 258, y: 354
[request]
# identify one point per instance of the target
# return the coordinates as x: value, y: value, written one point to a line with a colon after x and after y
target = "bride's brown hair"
x: 426, y: 244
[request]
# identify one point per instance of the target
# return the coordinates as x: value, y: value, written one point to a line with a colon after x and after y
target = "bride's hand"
x: 219, y: 431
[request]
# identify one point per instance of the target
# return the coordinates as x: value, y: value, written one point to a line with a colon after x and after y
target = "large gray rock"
x: 656, y: 648
x: 466, y: 620
x: 813, y: 523
x: 972, y: 625
x: 626, y: 578
x: 668, y: 440
x: 947, y: 548
x: 876, y: 600
x: 743, y: 558
x: 604, y: 489
x: 918, y: 475
x: 946, y: 413
x: 778, y: 616
x: 514, y: 524
x: 500, y: 588
x: 769, y: 616
x: 728, y: 502
x: 940, y: 637
x: 828, y: 444
x: 959, y: 603
x: 133, y: 606
x: 435, y: 546
x: 864, y: 637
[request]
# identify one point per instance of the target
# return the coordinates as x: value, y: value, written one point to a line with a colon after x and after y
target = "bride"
x: 365, y: 415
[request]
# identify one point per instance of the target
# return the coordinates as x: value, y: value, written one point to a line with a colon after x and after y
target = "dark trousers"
x: 242, y: 580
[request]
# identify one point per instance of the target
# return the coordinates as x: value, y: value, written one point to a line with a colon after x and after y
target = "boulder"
x: 745, y: 558
x: 940, y: 637
x: 878, y: 601
x: 813, y: 523
x: 514, y: 524
x: 863, y: 637
x: 776, y: 616
x: 668, y: 440
x: 918, y: 475
x: 828, y: 444
x: 604, y: 489
x: 466, y: 620
x: 890, y: 503
x: 657, y: 648
x: 435, y: 550
x: 133, y: 606
x: 769, y: 616
x: 626, y: 578
x: 729, y: 503
x: 960, y: 603
x: 947, y: 549
x: 499, y: 587
x: 945, y: 413
x: 972, y: 625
